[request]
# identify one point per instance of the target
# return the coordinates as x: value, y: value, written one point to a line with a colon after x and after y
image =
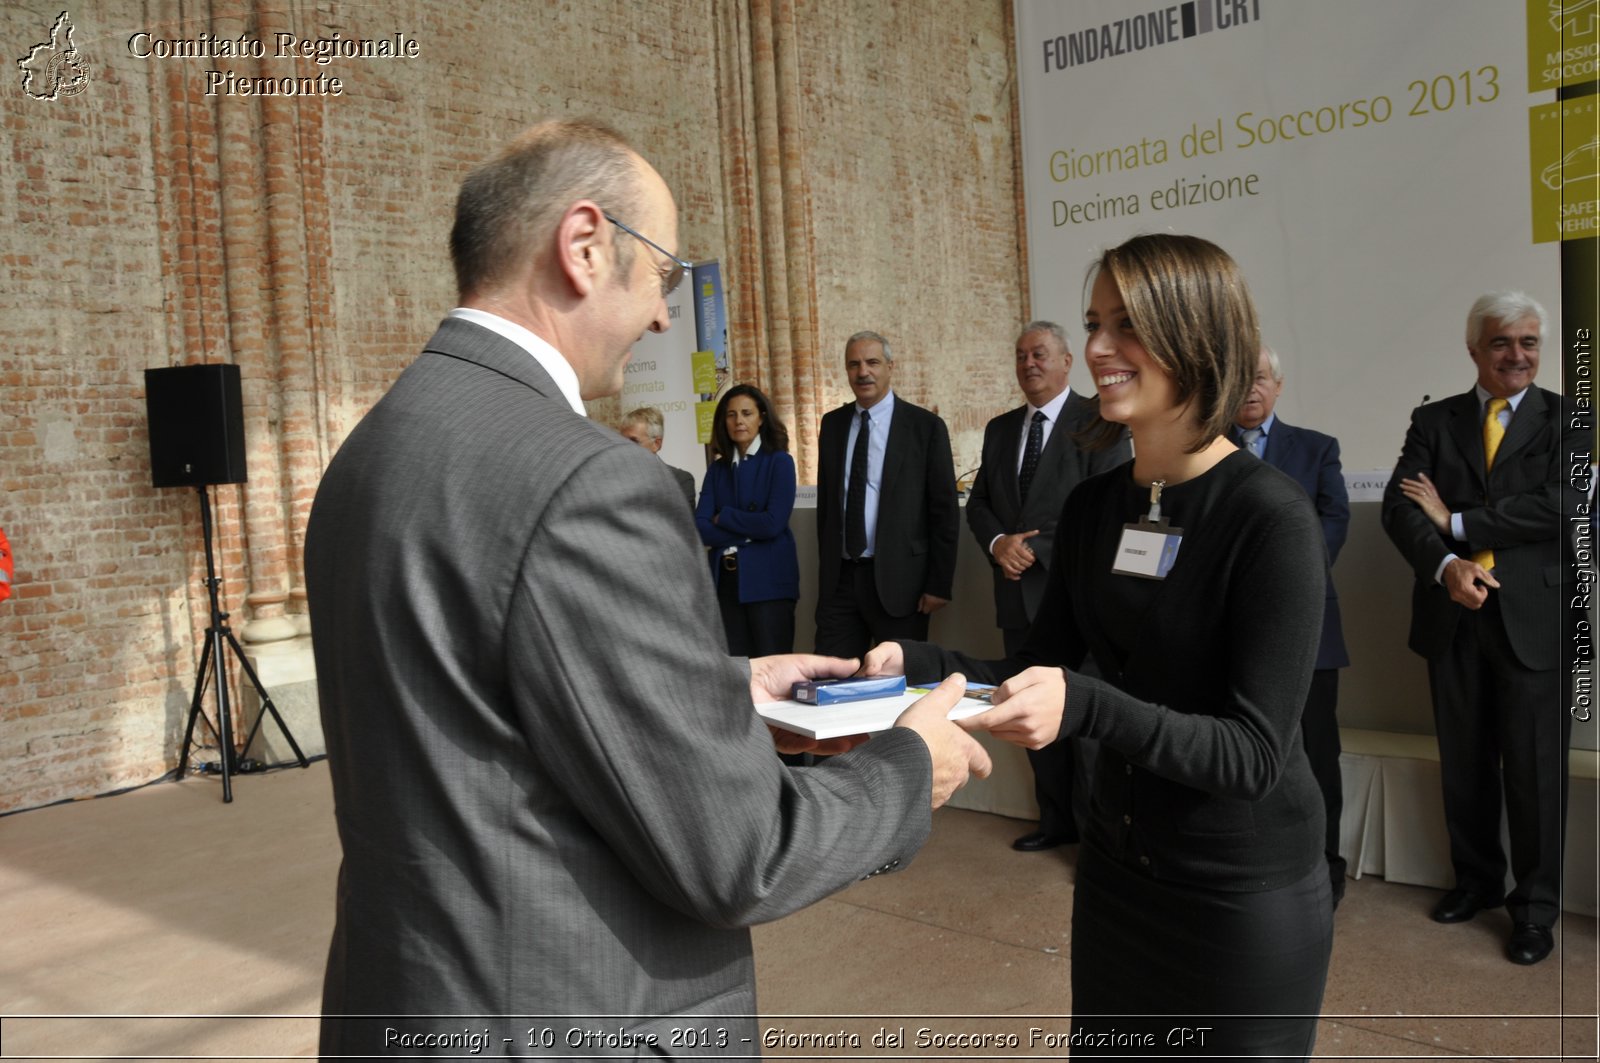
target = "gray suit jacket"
x: 546, y: 807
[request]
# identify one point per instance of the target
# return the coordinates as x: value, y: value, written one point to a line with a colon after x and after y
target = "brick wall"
x: 148, y: 224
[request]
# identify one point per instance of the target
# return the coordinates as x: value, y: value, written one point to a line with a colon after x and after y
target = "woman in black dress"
x: 1194, y: 575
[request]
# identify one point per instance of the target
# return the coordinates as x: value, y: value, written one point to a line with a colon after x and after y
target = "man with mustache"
x: 887, y: 516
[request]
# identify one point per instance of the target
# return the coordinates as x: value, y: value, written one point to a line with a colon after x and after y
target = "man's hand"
x: 1027, y: 708
x: 1424, y: 494
x: 773, y: 678
x: 789, y: 742
x: 931, y: 603
x: 956, y: 755
x: 1462, y: 578
x: 886, y: 658
x: 1013, y: 554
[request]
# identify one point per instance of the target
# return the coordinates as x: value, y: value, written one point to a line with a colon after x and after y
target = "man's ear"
x: 583, y: 242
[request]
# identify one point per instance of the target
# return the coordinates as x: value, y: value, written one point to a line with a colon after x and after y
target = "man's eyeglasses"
x: 675, y: 274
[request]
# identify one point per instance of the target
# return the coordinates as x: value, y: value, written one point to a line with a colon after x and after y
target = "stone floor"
x: 162, y: 923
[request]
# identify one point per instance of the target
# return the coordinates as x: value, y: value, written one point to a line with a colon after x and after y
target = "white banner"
x: 1366, y: 162
x: 661, y: 374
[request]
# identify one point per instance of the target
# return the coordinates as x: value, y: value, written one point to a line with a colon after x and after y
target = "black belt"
x: 730, y: 562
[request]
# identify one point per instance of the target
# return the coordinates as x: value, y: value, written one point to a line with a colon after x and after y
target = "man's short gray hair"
x: 1506, y: 307
x: 1047, y: 326
x: 1273, y: 363
x: 648, y: 416
x: 509, y: 206
x: 868, y: 334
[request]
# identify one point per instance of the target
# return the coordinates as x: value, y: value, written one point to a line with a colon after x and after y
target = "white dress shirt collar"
x: 881, y: 411
x: 549, y: 359
x: 1052, y: 409
x: 1484, y: 397
x: 753, y: 449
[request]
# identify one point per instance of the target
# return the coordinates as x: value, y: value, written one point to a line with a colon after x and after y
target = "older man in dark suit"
x: 548, y: 809
x: 1031, y: 463
x: 645, y: 427
x: 1477, y: 505
x: 887, y: 515
x: 1312, y: 459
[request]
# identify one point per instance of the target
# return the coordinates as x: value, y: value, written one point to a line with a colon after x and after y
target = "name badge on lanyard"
x: 1149, y: 547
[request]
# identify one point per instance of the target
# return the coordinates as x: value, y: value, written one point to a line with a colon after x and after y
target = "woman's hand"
x: 886, y: 658
x: 1027, y: 708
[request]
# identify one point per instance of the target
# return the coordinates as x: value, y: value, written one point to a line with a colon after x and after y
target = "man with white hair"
x: 1312, y: 460
x: 645, y: 427
x: 1477, y: 506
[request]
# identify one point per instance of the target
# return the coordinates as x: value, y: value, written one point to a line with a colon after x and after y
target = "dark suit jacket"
x: 1516, y: 510
x: 685, y: 480
x: 919, y: 518
x: 553, y: 795
x: 1312, y: 460
x: 995, y: 505
x: 754, y: 500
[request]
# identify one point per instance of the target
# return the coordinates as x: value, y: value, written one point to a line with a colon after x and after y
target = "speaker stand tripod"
x: 214, y: 668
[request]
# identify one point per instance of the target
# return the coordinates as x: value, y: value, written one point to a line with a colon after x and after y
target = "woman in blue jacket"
x: 743, y: 517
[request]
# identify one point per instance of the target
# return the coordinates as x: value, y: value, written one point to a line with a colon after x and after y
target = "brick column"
x: 772, y: 310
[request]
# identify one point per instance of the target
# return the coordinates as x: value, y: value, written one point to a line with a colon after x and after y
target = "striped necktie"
x: 1251, y: 438
x: 855, y: 495
x: 1030, y: 454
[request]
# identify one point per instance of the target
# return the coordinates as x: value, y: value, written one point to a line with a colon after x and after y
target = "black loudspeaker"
x: 196, y: 424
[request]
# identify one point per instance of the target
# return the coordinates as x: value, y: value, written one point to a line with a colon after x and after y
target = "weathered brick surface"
x: 908, y: 122
x: 146, y: 224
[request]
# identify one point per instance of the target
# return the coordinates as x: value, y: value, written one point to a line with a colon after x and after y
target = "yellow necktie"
x: 1493, y: 433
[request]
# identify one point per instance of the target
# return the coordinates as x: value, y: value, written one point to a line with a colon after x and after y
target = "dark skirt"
x: 1160, y: 969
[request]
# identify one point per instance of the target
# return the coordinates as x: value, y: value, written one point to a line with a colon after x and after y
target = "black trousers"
x: 753, y: 629
x: 851, y: 619
x: 1319, y: 731
x: 1054, y: 769
x: 1502, y: 729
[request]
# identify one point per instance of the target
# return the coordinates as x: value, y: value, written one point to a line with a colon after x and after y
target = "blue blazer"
x: 1311, y: 459
x: 752, y: 502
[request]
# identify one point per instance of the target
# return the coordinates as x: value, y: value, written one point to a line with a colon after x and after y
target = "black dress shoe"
x: 1458, y: 906
x: 1529, y: 943
x: 1039, y: 841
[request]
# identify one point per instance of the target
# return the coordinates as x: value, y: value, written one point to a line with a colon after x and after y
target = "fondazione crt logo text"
x: 1136, y: 33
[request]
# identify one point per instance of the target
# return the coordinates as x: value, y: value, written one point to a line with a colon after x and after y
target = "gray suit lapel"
x: 471, y: 342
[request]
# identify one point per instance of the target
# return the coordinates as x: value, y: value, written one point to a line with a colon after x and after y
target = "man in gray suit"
x: 548, y: 810
x: 1031, y: 463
